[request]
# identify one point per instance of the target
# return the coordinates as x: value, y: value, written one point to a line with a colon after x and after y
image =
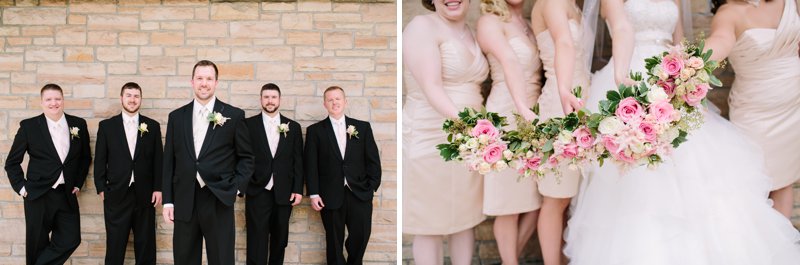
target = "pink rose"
x: 493, y: 152
x: 533, y: 163
x: 695, y: 62
x: 570, y: 150
x: 629, y: 110
x: 694, y: 97
x: 485, y: 127
x: 610, y: 143
x: 662, y: 111
x: 583, y: 137
x: 622, y: 156
x: 649, y: 131
x: 668, y: 86
x: 552, y: 161
x: 672, y: 65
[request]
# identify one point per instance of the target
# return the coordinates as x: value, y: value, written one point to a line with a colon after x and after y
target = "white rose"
x: 661, y: 74
x: 529, y: 154
x: 669, y: 135
x: 565, y: 136
x: 462, y: 147
x: 507, y: 154
x: 514, y: 164
x: 484, y: 168
x: 500, y: 165
x: 610, y: 125
x: 459, y: 137
x: 483, y: 139
x: 702, y: 76
x: 656, y: 94
x: 472, y: 143
x: 637, y: 147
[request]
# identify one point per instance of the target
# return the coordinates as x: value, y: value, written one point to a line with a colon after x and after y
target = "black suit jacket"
x: 287, y: 165
x: 326, y: 170
x: 44, y: 165
x: 113, y: 163
x: 225, y: 162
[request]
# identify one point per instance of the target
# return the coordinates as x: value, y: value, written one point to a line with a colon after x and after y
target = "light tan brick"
x: 153, y: 87
x: 247, y: 29
x: 75, y: 19
x: 44, y: 54
x: 121, y: 68
x: 88, y: 91
x: 371, y: 42
x: 303, y: 38
x: 235, y: 42
x: 386, y: 29
x: 379, y: 13
x: 299, y: 21
x: 157, y: 66
x: 102, y: 38
x: 333, y: 64
x: 313, y: 6
x: 235, y: 71
x: 166, y: 38
x: 234, y: 11
x: 32, y: 31
x: 151, y: 51
x: 179, y: 51
x: 133, y: 38
x: 159, y: 13
x: 127, y: 54
x: 337, y: 40
x: 12, y: 102
x: 43, y: 41
x: 148, y: 26
x: 71, y: 73
x: 70, y: 35
x: 214, y: 54
x: 274, y: 71
x: 278, y: 7
x: 19, y: 41
x: 113, y: 22
x: 206, y: 29
x: 381, y: 80
x: 23, y: 77
x: 307, y: 51
x: 261, y: 54
x: 337, y: 17
x: 79, y: 54
x: 11, y: 62
x: 9, y: 31
x: 34, y: 16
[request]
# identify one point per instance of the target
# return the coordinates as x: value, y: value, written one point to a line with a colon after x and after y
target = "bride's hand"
x: 570, y: 103
x: 528, y: 115
x: 627, y: 81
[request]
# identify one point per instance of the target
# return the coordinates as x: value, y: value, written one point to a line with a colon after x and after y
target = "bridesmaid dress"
x: 504, y: 193
x: 566, y: 185
x: 439, y: 197
x: 765, y: 96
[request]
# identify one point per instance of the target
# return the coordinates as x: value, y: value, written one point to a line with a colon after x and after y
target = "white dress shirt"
x: 59, y: 131
x: 131, y: 125
x: 273, y: 137
x: 200, y: 127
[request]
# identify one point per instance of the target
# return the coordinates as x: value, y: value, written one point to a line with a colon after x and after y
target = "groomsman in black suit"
x: 277, y: 184
x: 343, y: 170
x: 208, y: 160
x: 127, y: 175
x: 58, y: 148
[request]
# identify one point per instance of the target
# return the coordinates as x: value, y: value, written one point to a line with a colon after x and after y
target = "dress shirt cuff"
x: 314, y: 196
x: 23, y: 192
x: 169, y: 205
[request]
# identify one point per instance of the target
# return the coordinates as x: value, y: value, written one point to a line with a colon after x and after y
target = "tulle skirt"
x: 706, y: 204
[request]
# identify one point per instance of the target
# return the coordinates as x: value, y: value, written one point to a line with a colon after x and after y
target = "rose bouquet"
x: 475, y: 138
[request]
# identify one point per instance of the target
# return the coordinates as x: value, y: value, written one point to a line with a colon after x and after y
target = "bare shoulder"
x: 419, y: 24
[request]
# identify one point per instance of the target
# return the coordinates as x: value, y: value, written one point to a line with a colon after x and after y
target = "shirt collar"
x: 267, y: 119
x: 127, y: 118
x: 209, y: 106
x: 334, y: 120
x: 62, y: 121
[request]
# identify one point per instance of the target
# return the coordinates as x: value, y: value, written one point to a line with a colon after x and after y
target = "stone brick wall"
x: 486, y: 248
x: 91, y: 48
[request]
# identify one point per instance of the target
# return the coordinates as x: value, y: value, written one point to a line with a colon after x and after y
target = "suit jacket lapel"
x: 48, y: 138
x: 74, y: 142
x: 332, y: 137
x: 210, y: 131
x: 119, y: 127
x: 188, y: 118
x: 347, y: 138
x: 262, y: 136
x: 281, y: 136
x: 139, y: 137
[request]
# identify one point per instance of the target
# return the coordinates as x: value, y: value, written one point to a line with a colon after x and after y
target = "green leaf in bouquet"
x: 642, y: 89
x: 654, y: 159
x: 594, y: 120
x: 613, y: 95
x: 605, y: 107
x: 548, y: 146
x: 577, y: 91
x: 626, y: 91
x: 447, y: 151
x: 651, y: 62
x: 714, y: 81
x: 613, y: 107
x: 535, y: 109
x: 680, y: 139
x: 711, y: 65
x: 636, y: 76
x: 571, y: 122
x: 450, y: 137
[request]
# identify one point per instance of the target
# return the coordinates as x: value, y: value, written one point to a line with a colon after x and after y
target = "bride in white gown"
x: 706, y: 204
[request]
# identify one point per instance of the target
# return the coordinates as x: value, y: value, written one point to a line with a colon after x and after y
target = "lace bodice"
x: 653, y: 21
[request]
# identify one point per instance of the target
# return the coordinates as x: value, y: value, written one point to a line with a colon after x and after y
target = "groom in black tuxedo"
x: 127, y: 175
x: 343, y: 170
x: 58, y: 148
x: 277, y: 184
x: 208, y: 160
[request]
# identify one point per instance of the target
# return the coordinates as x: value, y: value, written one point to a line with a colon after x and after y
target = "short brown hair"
x: 271, y: 86
x: 130, y: 85
x: 428, y: 4
x: 51, y: 87
x: 206, y: 63
x: 331, y: 88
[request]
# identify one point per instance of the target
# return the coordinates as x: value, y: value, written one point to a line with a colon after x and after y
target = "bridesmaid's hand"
x: 528, y: 115
x: 570, y: 103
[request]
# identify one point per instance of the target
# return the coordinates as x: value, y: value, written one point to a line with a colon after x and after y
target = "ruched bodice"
x: 528, y: 57
x: 765, y: 95
x: 549, y: 102
x: 441, y: 197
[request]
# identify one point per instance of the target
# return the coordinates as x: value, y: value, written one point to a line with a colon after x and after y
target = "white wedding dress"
x: 707, y: 204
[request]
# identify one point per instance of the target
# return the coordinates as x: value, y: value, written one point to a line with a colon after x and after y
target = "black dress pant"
x: 122, y: 216
x: 267, y: 228
x: 354, y: 214
x: 47, y: 214
x: 211, y: 220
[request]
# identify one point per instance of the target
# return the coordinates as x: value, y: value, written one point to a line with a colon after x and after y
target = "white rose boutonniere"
x: 351, y: 131
x: 142, y: 129
x: 73, y: 132
x: 217, y: 119
x: 283, y: 128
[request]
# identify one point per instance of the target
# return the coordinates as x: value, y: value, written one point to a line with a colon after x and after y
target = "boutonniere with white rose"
x: 351, y: 131
x: 283, y: 128
x: 142, y: 129
x: 73, y: 133
x: 217, y: 119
